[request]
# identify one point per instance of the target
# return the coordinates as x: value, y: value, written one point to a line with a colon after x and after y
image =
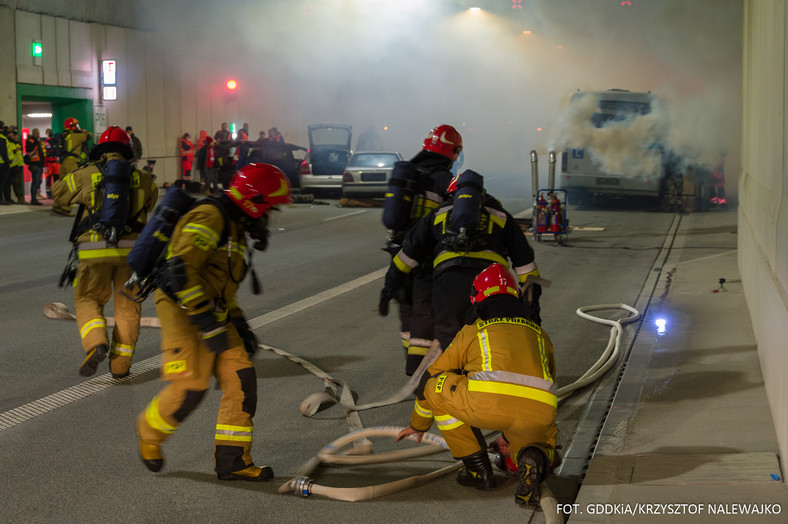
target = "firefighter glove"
x: 530, y: 298
x: 392, y: 283
x: 247, y: 335
x: 212, y: 332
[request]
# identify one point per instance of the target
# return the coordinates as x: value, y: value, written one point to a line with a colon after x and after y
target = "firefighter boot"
x: 119, y: 365
x: 151, y: 456
x: 94, y: 357
x: 477, y: 472
x: 253, y: 473
x: 531, y: 471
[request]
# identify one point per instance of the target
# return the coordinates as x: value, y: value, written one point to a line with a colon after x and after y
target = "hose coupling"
x: 303, y: 486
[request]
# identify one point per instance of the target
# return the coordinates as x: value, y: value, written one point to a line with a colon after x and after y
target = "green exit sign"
x: 38, y: 49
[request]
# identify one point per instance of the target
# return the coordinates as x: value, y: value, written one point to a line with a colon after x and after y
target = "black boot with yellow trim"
x: 531, y: 471
x: 253, y: 473
x: 477, y: 472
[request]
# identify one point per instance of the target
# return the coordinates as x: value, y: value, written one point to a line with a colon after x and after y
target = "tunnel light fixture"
x: 39, y: 115
x: 475, y: 10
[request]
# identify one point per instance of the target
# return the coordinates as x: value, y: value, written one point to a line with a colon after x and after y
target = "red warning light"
x: 232, y: 85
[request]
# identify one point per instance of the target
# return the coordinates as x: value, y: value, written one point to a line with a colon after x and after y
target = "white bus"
x: 613, y: 145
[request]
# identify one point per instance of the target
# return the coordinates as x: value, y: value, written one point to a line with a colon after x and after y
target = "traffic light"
x: 231, y: 90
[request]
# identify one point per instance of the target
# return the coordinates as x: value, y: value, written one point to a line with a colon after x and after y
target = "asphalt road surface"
x: 69, y: 445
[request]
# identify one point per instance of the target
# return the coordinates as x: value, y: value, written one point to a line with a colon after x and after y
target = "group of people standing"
x: 217, y: 158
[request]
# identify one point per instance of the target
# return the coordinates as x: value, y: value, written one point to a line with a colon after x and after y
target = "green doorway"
x: 66, y: 102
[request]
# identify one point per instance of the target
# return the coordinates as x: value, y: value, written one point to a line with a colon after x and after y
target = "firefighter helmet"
x: 444, y: 140
x: 71, y: 124
x: 257, y: 187
x: 113, y: 140
x: 495, y: 280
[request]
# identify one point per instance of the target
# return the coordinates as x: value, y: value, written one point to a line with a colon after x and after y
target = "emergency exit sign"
x: 109, y: 89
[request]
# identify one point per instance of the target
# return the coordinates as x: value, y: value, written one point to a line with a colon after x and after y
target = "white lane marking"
x: 345, y: 215
x: 85, y: 389
x: 707, y: 257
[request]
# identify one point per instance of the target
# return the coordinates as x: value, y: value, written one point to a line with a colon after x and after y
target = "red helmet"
x: 115, y: 134
x: 444, y: 140
x: 71, y: 123
x: 495, y: 280
x: 113, y: 140
x: 257, y: 187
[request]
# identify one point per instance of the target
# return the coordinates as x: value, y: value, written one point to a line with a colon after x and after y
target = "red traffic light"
x: 232, y: 85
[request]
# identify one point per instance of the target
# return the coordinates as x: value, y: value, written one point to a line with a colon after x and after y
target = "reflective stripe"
x: 447, y: 422
x: 524, y: 271
x: 514, y: 390
x: 155, y: 420
x: 496, y: 217
x: 124, y: 350
x: 417, y: 350
x: 234, y: 433
x: 495, y: 289
x: 235, y: 247
x: 484, y: 255
x: 71, y: 183
x: 104, y: 253
x: 484, y: 347
x: 102, y: 244
x: 515, y: 378
x: 210, y: 334
x: 421, y: 410
x: 91, y: 325
x: 545, y: 364
x: 211, y: 236
x: 404, y: 263
x: 189, y: 294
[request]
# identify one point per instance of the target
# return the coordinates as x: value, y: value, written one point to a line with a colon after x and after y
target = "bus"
x: 613, y: 145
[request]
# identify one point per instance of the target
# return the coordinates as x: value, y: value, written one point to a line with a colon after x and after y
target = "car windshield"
x: 373, y: 160
x: 330, y: 136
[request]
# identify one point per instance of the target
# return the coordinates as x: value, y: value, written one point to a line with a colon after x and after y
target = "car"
x: 325, y: 160
x: 279, y: 155
x: 368, y: 173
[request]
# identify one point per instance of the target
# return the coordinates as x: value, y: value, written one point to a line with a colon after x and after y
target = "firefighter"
x: 432, y: 246
x: 204, y: 333
x: 76, y: 143
x: 440, y: 150
x: 498, y: 374
x: 102, y: 269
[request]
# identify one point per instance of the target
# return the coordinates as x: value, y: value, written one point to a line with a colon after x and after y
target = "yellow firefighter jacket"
x: 214, y: 268
x: 75, y: 150
x: 507, y: 357
x: 81, y: 187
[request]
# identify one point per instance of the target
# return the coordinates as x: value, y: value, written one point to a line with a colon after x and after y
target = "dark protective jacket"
x: 498, y: 239
x: 432, y: 192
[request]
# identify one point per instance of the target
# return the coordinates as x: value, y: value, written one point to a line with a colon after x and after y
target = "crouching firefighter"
x: 114, y: 202
x: 497, y: 374
x: 204, y: 333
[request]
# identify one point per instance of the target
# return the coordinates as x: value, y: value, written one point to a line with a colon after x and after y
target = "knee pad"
x: 190, y: 403
x: 248, y: 377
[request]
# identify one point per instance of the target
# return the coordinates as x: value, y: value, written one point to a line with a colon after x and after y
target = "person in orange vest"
x: 186, y: 150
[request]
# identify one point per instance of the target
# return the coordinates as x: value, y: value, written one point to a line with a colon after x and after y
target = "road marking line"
x: 85, y: 389
x: 346, y: 215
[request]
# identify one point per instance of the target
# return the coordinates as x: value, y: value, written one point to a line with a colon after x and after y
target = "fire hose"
x: 362, y: 452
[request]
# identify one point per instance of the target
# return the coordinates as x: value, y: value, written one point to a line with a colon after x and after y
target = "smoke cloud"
x: 502, y: 76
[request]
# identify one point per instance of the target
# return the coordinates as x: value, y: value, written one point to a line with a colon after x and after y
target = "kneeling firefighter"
x: 114, y: 201
x: 203, y: 329
x: 498, y: 374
